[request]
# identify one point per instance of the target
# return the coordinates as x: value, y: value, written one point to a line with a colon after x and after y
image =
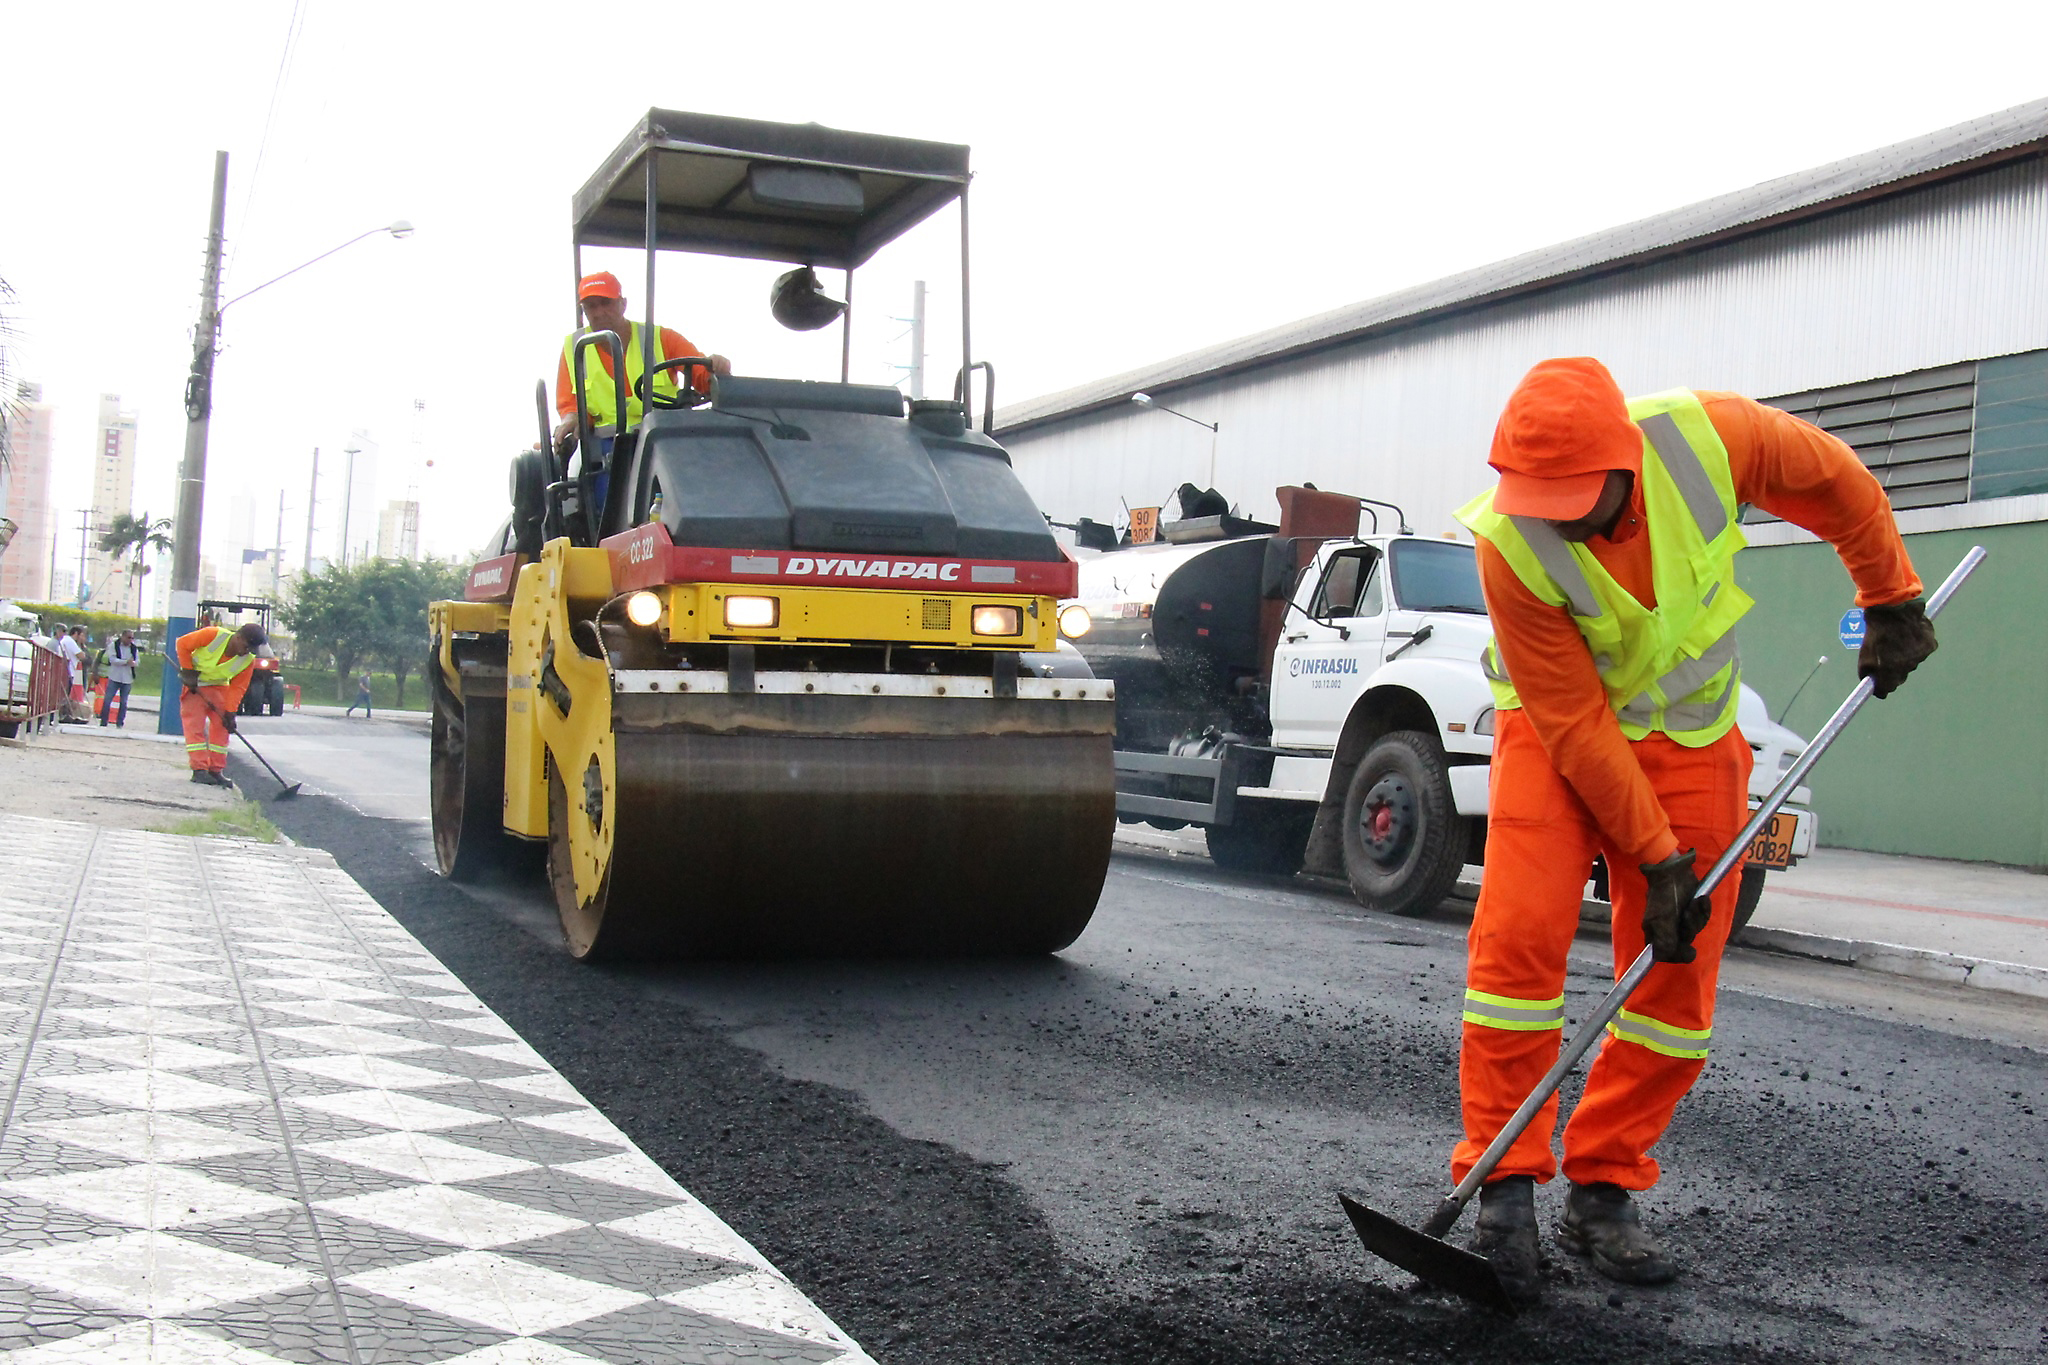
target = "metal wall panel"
x: 1952, y: 273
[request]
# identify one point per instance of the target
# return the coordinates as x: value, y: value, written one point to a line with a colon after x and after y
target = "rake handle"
x: 1447, y: 1213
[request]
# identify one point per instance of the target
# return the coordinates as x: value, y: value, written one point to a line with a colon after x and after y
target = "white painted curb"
x: 1897, y: 960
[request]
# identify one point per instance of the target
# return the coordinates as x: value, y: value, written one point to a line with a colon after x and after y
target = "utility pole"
x: 84, y: 534
x: 277, y: 550
x: 312, y: 501
x: 917, y: 339
x: 348, y: 492
x: 184, y: 604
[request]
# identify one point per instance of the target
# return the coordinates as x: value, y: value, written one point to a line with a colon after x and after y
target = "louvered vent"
x: 1913, y: 431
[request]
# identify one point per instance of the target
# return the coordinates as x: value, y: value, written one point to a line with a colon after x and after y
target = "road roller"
x: 774, y: 669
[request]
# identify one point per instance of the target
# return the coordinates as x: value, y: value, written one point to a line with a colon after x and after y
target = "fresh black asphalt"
x: 1130, y: 1152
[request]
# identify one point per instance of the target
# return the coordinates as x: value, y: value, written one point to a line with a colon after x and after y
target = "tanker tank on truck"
x: 1312, y: 698
x: 761, y: 672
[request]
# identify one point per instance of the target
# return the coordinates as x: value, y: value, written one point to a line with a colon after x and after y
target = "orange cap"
x: 1564, y: 428
x: 602, y: 285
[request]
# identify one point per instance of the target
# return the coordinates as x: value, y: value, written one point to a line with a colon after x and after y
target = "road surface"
x: 1131, y: 1151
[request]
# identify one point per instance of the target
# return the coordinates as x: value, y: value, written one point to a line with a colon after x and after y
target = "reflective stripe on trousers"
x: 1666, y: 1039
x: 1505, y: 1011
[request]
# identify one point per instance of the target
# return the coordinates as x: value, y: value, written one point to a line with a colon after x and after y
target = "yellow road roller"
x: 774, y: 669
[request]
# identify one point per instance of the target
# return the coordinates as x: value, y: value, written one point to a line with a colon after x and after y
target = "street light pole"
x: 1146, y: 400
x: 184, y: 603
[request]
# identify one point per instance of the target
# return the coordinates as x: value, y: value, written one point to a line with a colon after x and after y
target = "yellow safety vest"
x: 598, y: 387
x: 213, y: 669
x: 1676, y: 668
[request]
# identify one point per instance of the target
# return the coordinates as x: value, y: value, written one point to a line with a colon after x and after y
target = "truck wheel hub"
x: 1387, y: 821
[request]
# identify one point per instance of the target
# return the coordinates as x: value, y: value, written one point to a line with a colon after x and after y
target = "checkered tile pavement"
x: 246, y: 1119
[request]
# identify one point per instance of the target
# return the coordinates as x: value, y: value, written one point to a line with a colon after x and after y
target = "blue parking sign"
x: 1852, y: 628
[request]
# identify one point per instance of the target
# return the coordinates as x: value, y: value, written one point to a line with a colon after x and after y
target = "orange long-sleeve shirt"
x: 1787, y: 467
x: 237, y: 686
x: 674, y: 346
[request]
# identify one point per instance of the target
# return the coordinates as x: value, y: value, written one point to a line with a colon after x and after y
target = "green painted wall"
x: 1955, y: 763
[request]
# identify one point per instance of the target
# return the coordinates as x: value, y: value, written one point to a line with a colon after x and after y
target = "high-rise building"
x: 25, y: 497
x: 398, y: 531
x: 113, y: 494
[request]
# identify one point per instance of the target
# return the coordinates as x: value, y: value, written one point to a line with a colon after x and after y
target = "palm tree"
x: 133, y: 538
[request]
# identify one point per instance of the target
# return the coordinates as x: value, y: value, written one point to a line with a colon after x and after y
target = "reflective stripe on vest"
x: 1666, y: 1039
x: 598, y: 389
x: 213, y: 670
x: 1507, y: 1012
x: 1674, y: 668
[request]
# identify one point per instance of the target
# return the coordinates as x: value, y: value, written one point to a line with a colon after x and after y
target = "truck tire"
x: 1260, y: 841
x: 1404, y: 841
x: 1751, y: 892
x: 276, y: 696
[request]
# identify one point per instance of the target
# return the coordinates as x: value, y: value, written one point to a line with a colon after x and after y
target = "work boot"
x: 1601, y: 1223
x: 202, y: 777
x: 1505, y: 1234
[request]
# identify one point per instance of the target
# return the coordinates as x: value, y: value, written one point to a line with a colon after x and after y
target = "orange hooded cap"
x: 1564, y: 427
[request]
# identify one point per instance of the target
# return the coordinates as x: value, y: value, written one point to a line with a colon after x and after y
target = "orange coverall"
x: 206, y: 734
x: 1567, y: 784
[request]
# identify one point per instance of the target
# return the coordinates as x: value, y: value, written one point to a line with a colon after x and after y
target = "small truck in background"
x: 1312, y: 698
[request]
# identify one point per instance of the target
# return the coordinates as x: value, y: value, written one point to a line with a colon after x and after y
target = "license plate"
x: 1772, y: 846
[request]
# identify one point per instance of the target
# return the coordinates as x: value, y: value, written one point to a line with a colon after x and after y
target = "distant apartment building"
x: 109, y: 577
x: 398, y: 531
x: 25, y: 498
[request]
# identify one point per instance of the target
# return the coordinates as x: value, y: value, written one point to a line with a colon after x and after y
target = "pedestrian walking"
x: 214, y: 666
x: 1607, y: 552
x: 122, y: 656
x: 362, y: 697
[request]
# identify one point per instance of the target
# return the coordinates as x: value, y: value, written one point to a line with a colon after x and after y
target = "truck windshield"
x: 1436, y: 575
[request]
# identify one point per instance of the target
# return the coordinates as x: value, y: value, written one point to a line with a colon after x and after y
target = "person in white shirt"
x: 72, y: 650
x: 122, y: 656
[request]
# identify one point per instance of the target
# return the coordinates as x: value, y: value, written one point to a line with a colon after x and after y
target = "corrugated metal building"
x: 1900, y: 298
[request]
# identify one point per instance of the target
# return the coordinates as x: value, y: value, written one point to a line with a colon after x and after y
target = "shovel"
x: 286, y: 790
x: 1424, y: 1253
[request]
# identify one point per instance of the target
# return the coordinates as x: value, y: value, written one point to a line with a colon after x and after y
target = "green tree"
x: 132, y: 538
x: 331, y: 618
x: 401, y: 590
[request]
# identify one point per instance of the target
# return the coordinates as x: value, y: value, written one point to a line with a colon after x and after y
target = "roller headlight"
x: 1484, y: 725
x: 998, y: 621
x: 1074, y: 621
x: 752, y: 613
x: 643, y: 608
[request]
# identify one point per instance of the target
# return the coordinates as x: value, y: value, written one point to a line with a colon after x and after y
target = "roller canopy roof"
x: 796, y: 192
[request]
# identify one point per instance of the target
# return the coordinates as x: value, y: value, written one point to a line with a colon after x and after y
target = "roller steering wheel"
x: 686, y: 397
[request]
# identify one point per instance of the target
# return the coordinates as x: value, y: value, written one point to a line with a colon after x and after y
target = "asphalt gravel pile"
x: 1801, y: 1163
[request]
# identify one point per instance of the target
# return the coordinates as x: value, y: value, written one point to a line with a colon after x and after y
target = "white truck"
x: 1312, y: 697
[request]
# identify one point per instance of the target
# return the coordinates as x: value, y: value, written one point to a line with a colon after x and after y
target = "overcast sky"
x: 1150, y: 178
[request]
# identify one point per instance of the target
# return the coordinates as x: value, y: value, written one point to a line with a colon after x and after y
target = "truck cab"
x: 1359, y: 745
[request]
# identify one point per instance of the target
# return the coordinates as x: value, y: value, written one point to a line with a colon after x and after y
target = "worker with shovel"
x: 1606, y: 552
x: 214, y: 664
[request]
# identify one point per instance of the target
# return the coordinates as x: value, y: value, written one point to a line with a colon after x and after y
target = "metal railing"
x: 34, y: 687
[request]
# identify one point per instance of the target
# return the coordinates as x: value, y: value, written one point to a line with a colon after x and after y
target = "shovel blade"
x: 1430, y: 1259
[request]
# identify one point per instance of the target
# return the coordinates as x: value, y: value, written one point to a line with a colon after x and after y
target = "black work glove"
x: 1895, y: 640
x: 189, y: 677
x: 1674, y: 910
x: 227, y: 718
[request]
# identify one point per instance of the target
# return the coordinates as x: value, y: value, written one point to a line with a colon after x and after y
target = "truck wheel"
x: 277, y: 696
x: 1751, y: 892
x: 1404, y: 841
x: 1261, y: 842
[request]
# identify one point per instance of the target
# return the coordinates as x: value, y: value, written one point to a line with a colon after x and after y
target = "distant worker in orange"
x: 1606, y: 552
x: 214, y: 665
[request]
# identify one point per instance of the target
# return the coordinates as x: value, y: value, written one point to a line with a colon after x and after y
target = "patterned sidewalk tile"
x: 246, y: 1119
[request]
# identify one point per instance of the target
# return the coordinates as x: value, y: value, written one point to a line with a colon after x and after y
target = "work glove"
x: 1674, y: 910
x: 227, y: 718
x: 189, y: 677
x: 1895, y: 640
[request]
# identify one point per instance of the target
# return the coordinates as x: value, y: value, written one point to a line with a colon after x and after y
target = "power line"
x: 284, y: 63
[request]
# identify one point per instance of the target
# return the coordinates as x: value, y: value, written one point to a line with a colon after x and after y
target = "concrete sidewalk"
x: 1971, y: 924
x: 251, y: 1121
